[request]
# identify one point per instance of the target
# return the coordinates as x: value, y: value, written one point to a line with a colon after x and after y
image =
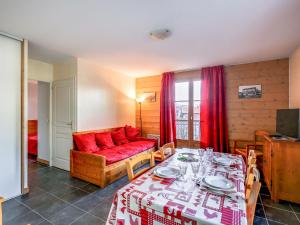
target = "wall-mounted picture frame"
x: 150, y: 96
x: 250, y: 91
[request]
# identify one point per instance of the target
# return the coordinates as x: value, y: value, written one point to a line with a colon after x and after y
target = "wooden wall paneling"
x: 244, y: 115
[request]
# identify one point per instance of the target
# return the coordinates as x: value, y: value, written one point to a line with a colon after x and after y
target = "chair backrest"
x: 167, y: 150
x: 251, y: 163
x: 259, y: 136
x: 1, y: 201
x: 249, y: 185
x: 131, y: 163
x: 251, y: 201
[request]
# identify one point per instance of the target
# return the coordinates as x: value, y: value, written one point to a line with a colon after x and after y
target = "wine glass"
x: 183, y: 169
x: 195, y: 169
x: 209, y: 152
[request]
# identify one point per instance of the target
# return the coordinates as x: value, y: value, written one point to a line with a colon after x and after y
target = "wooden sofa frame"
x: 92, y: 168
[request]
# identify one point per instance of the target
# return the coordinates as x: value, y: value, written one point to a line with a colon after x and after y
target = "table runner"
x: 154, y: 201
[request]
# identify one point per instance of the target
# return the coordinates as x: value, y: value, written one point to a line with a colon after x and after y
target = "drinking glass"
x: 209, y: 152
x: 201, y: 154
x: 183, y: 169
x: 195, y: 169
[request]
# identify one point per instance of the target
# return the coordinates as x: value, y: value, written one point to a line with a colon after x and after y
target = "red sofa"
x: 99, y: 156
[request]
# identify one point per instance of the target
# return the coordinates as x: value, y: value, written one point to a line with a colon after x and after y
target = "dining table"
x: 152, y: 200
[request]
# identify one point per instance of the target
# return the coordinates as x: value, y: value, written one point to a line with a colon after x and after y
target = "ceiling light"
x: 160, y: 34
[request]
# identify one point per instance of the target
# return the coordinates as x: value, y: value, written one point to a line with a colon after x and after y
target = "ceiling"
x: 115, y: 33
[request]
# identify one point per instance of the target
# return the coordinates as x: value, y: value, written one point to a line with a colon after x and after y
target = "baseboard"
x: 43, y: 161
x: 25, y: 190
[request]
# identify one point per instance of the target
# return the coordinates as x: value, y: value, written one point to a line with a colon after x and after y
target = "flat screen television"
x: 288, y: 123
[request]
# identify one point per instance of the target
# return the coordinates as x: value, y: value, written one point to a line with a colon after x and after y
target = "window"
x: 187, y: 107
x: 182, y: 110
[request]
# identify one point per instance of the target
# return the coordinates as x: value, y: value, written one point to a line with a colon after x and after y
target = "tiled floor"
x: 271, y: 213
x: 55, y: 198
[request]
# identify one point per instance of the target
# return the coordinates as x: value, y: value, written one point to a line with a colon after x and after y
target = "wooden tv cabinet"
x: 281, y: 169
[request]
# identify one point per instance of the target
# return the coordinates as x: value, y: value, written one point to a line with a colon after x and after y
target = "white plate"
x: 222, y: 161
x: 167, y: 172
x: 218, y: 182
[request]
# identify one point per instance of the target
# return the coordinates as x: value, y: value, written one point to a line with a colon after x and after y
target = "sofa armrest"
x: 88, y: 166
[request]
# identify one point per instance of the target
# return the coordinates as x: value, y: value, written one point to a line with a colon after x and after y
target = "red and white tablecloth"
x: 149, y: 200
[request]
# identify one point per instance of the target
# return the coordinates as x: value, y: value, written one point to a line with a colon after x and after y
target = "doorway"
x: 39, y: 121
x: 187, y: 107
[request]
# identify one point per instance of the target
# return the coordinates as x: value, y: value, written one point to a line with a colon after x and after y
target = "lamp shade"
x: 140, y: 99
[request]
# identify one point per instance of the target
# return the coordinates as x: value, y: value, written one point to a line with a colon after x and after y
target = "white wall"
x: 104, y: 98
x: 32, y: 100
x: 295, y: 79
x: 10, y: 114
x: 41, y: 71
x: 64, y: 70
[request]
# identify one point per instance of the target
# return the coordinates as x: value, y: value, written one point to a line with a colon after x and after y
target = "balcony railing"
x: 182, y: 129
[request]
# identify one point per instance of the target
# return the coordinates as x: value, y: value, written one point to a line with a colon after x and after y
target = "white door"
x: 10, y: 117
x: 43, y: 120
x: 63, y: 120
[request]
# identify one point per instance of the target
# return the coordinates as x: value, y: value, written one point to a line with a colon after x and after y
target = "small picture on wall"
x: 250, y: 91
x: 150, y: 96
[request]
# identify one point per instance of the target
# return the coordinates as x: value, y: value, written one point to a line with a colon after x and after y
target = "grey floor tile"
x: 75, y: 182
x: 29, y: 218
x: 74, y: 196
x: 281, y: 216
x: 281, y: 205
x: 45, y: 222
x: 61, y: 189
x: 295, y: 207
x: 50, y: 208
x: 88, y: 202
x: 271, y: 222
x: 66, y: 216
x: 259, y: 211
x: 259, y: 221
x: 90, y: 188
x: 33, y: 192
x: 101, y: 210
x: 88, y: 219
x: 38, y: 201
x: 12, y: 209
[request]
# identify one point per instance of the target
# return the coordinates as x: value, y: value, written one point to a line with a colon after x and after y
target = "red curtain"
x: 214, y: 130
x: 167, y: 109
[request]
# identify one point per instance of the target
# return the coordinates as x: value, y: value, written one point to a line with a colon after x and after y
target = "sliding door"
x: 187, y: 107
x: 10, y: 117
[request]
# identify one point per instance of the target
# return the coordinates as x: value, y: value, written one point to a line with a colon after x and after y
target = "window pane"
x: 182, y: 91
x: 196, y: 130
x: 182, y: 130
x: 182, y: 110
x: 197, y: 90
x: 196, y: 110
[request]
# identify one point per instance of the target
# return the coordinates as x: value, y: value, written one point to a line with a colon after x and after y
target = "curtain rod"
x: 186, y: 70
x: 10, y: 36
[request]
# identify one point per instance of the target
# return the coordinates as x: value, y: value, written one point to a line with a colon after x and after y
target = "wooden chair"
x: 132, y: 163
x: 251, y: 164
x: 242, y: 147
x: 1, y: 201
x: 251, y: 201
x: 165, y: 152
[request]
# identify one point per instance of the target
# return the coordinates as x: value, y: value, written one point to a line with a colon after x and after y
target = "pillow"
x: 119, y: 136
x: 104, y: 140
x: 86, y: 142
x: 131, y: 132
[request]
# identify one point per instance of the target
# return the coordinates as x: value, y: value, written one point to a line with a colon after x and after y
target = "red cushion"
x: 119, y: 136
x: 125, y: 151
x: 132, y: 132
x: 104, y: 140
x: 86, y: 142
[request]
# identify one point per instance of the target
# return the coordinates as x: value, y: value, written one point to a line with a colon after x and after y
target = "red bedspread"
x: 32, y: 144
